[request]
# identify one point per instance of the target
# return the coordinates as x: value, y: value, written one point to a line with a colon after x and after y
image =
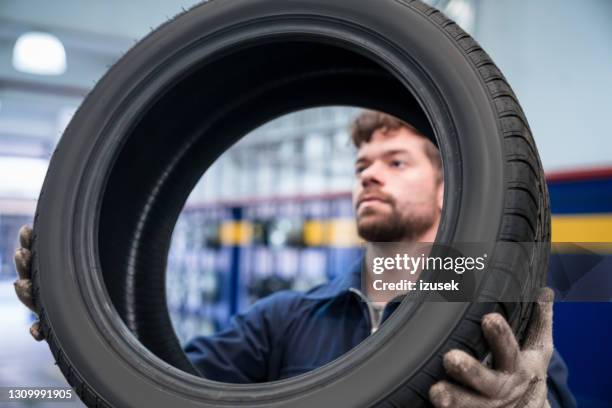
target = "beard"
x: 393, y: 226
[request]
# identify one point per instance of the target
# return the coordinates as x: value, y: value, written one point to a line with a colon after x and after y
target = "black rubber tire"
x: 142, y: 138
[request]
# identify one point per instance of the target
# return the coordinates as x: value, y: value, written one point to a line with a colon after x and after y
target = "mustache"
x: 370, y: 194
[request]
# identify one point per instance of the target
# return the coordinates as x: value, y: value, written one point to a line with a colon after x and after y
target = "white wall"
x: 557, y: 56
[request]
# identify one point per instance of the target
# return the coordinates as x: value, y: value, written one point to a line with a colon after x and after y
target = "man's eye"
x: 358, y: 170
x: 398, y: 163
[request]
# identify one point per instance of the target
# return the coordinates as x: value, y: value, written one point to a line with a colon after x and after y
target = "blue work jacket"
x: 290, y: 333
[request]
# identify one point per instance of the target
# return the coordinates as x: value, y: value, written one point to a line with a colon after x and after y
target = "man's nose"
x: 372, y: 175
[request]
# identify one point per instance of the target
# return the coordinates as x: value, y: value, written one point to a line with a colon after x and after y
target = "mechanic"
x: 398, y: 197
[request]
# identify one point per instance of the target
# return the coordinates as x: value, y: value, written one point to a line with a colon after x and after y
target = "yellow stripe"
x: 315, y: 233
x: 236, y: 233
x: 335, y: 232
x: 342, y: 233
x: 582, y: 228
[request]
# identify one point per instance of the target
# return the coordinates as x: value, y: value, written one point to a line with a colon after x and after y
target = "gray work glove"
x: 23, y: 285
x: 518, y: 379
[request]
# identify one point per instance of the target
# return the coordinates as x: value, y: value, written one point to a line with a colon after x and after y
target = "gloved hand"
x: 23, y: 285
x: 518, y: 379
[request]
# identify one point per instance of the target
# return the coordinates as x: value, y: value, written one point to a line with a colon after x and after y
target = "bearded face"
x: 381, y: 219
x: 398, y: 192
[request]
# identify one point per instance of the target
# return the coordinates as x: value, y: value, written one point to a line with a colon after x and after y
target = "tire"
x: 150, y: 128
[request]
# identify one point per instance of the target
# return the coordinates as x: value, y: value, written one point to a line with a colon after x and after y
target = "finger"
x: 468, y: 371
x: 23, y: 263
x: 36, y: 332
x: 501, y: 340
x: 25, y: 237
x: 23, y: 288
x: 539, y: 334
x: 444, y: 395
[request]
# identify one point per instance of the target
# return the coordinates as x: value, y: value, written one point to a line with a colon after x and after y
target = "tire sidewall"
x: 102, y: 349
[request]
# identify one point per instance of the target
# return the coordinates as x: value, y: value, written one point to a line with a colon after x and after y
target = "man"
x: 398, y: 198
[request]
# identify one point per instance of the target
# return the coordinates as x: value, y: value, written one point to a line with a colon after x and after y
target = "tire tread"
x: 526, y: 219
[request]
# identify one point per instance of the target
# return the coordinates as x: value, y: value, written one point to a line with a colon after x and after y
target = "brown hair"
x: 368, y: 121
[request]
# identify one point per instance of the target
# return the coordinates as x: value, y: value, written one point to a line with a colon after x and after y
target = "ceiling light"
x: 39, y: 53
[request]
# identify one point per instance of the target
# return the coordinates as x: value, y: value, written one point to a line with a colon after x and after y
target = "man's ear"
x: 440, y: 196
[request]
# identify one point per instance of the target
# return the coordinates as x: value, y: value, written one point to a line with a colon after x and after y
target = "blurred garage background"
x: 274, y: 212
